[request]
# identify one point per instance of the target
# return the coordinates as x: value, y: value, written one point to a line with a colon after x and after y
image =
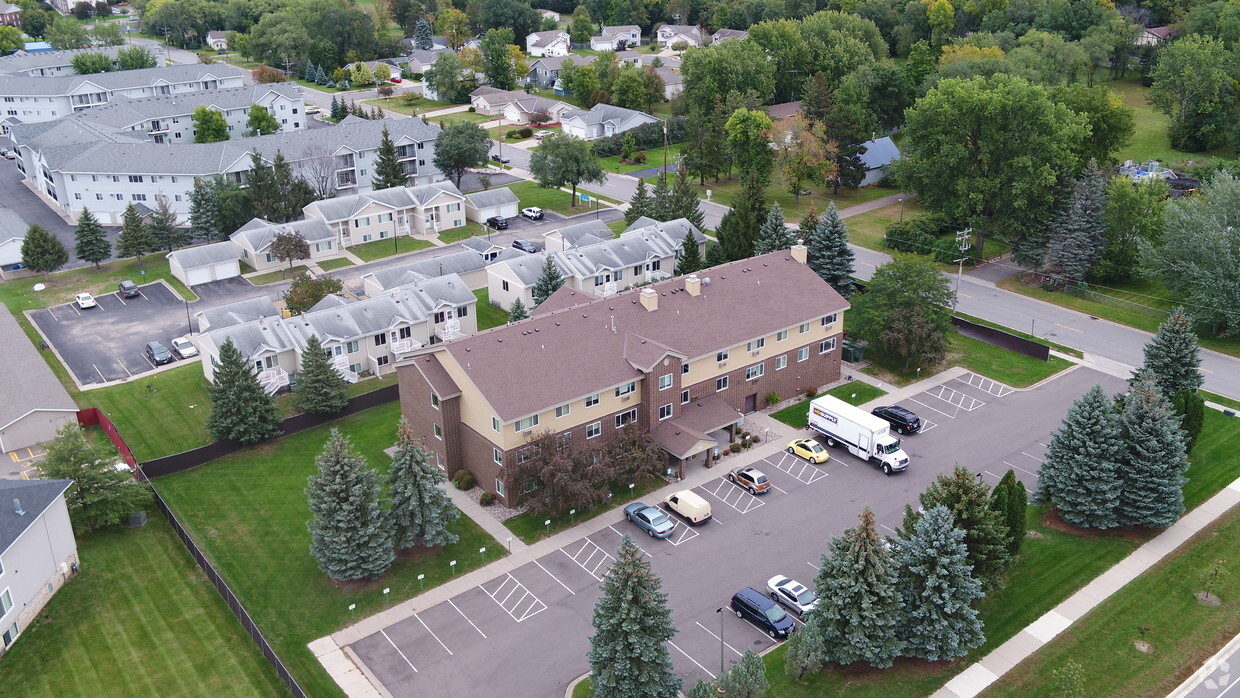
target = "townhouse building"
x: 683, y: 358
x: 38, y: 552
x: 423, y: 210
x: 464, y: 261
x: 603, y: 120
x: 48, y: 63
x: 252, y: 241
x: 589, y: 232
x: 515, y: 105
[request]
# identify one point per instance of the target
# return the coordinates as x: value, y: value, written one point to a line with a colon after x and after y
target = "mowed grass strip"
x: 797, y: 414
x: 169, y: 417
x: 530, y: 194
x: 140, y: 619
x: 378, y: 249
x: 248, y: 512
x: 1002, y: 365
x: 489, y: 315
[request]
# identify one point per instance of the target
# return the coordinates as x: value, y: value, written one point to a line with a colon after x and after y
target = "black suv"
x: 158, y: 353
x: 755, y: 607
x: 127, y: 289
x: 903, y: 420
x: 498, y: 222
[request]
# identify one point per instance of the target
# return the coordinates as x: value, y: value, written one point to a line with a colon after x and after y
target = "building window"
x: 802, y: 354
x: 351, y: 347
x: 593, y: 430
x: 77, y: 196
x: 665, y: 411
x: 684, y: 396
x: 684, y: 368
x: 781, y: 362
x: 135, y: 179
x: 438, y: 432
x: 504, y: 285
x: 495, y: 424
x: 826, y: 345
x: 98, y: 197
x: 381, y: 339
x: 665, y: 381
x: 756, y: 344
x: 754, y: 372
x: 137, y: 197
x: 527, y: 423
x: 382, y: 361
x: 781, y: 335
x: 721, y: 383
x: 592, y: 400
x: 499, y: 487
x: 626, y: 389
x: 11, y: 634
x: 721, y: 356
x: 6, y: 602
x: 497, y: 455
x: 829, y: 319
x: 804, y: 327
x: 561, y: 411
x: 626, y: 417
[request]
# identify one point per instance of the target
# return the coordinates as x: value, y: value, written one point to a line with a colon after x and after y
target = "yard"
x: 558, y: 200
x: 794, y: 210
x: 995, y: 363
x: 275, y: 277
x: 248, y: 512
x: 169, y: 417
x: 654, y: 158
x: 140, y: 619
x: 1149, y: 139
x: 489, y: 315
x: 464, y: 117
x: 420, y: 106
x: 457, y: 234
x: 337, y: 263
x: 869, y: 229
x: 796, y: 415
x: 378, y: 249
x: 531, y: 527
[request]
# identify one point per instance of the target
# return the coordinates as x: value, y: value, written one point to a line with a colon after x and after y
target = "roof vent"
x: 17, y: 507
x: 706, y: 281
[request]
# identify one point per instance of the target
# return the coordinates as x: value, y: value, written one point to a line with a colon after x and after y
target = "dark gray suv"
x: 755, y: 607
x: 903, y: 420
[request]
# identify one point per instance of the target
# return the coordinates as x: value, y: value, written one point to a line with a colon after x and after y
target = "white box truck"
x: 864, y: 435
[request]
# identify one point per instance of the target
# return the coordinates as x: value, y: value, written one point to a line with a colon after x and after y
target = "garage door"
x: 225, y: 270
x: 508, y: 210
x: 198, y: 275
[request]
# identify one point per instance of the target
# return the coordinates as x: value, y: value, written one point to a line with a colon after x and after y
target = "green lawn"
x: 869, y: 229
x: 531, y: 527
x: 337, y: 263
x: 654, y: 158
x: 723, y: 192
x: 1220, y: 399
x: 168, y: 419
x: 489, y: 315
x: 397, y: 104
x: 1058, y: 347
x: 796, y: 415
x: 464, y: 117
x: 19, y: 294
x: 1149, y: 139
x: 463, y: 232
x: 140, y: 619
x: 618, y: 227
x: 378, y: 249
x: 530, y: 194
x: 275, y: 277
x: 584, y: 689
x: 248, y: 512
x: 998, y: 364
x: 602, y: 197
x: 1215, y: 458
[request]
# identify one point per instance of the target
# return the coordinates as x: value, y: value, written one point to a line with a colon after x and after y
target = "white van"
x: 689, y: 505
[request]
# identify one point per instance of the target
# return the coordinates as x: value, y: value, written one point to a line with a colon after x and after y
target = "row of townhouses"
x: 48, y: 63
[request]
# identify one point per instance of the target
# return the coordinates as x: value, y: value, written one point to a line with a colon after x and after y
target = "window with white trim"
x: 665, y: 411
x: 527, y: 423
x: 665, y: 381
x: 434, y: 401
x: 722, y: 356
x: 828, y: 319
x: 562, y: 411
x: 439, y: 432
x: 781, y: 335
x: 499, y: 487
x: 10, y: 635
x: 627, y: 388
x: 721, y: 383
x: 592, y: 400
x: 593, y: 430
x: 497, y: 455
x: 495, y: 424
x: 802, y: 354
x: 755, y: 372
x: 781, y: 362
x: 826, y: 345
x: 756, y: 344
x: 626, y: 417
x: 804, y: 327
x: 684, y: 396
x: 6, y: 602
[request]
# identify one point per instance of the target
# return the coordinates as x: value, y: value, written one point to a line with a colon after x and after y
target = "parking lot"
x: 105, y: 343
x: 526, y: 632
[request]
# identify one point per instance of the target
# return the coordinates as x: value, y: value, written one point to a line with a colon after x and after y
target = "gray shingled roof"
x: 254, y: 337
x: 11, y: 224
x: 21, y: 62
x: 527, y: 269
x: 24, y: 373
x: 123, y: 112
x: 480, y: 245
x: 259, y: 234
x: 557, y: 62
x: 54, y: 85
x: 544, y: 38
x: 573, y: 235
x: 35, y: 495
x: 203, y: 255
x: 492, y: 197
x: 239, y: 312
x: 603, y: 113
x: 879, y: 153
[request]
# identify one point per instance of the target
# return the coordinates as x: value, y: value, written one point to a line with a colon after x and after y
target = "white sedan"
x: 84, y: 300
x: 182, y: 347
x: 792, y: 594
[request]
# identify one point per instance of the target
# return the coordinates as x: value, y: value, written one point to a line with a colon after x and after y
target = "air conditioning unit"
x: 754, y: 352
x: 626, y: 398
x: 723, y: 364
x: 527, y: 432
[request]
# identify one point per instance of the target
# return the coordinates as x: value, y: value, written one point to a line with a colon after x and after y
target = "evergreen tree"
x: 334, y: 113
x: 388, y: 170
x: 1081, y: 474
x: 690, y: 255
x: 632, y: 622
x: 746, y: 678
x: 349, y: 536
x: 1172, y: 357
x: 164, y: 228
x: 859, y: 604
x: 684, y: 202
x: 715, y: 255
x: 91, y: 242
x: 774, y: 235
x: 701, y: 689
x: 1079, y: 237
x: 1154, y: 460
x: 517, y: 312
x: 660, y: 199
x: 100, y: 494
x: 310, y: 71
x: 320, y: 387
x: 1191, y: 409
x: 938, y: 590
x: 639, y: 205
x: 422, y: 36
x: 1011, y: 501
x: 829, y: 254
x: 807, y: 226
x: 1029, y: 249
x: 807, y: 648
x: 986, y: 534
x: 240, y: 409
x: 739, y: 227
x: 549, y: 281
x: 204, y: 212
x: 135, y: 239
x: 42, y: 252
x: 421, y: 510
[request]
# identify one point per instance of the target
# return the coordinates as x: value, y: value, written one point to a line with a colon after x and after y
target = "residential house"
x: 37, y: 404
x: 550, y: 14
x: 48, y: 63
x: 481, y: 205
x: 669, y: 357
x: 669, y: 34
x: 217, y: 40
x: 577, y: 235
x: 488, y: 250
x: 673, y: 83
x: 12, y: 234
x: 235, y: 313
x: 545, y: 72
x: 728, y: 34
x: 421, y: 61
x: 549, y: 43
x: 876, y: 155
x: 423, y: 210
x: 10, y: 15
x: 617, y: 38
x: 602, y: 120
x: 516, y: 106
x: 465, y: 262
x: 515, y: 278
x: 1153, y: 36
x: 252, y: 241
x: 38, y: 553
x: 202, y: 264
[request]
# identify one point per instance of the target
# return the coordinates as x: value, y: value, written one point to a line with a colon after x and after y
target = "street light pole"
x: 962, y: 242
x: 720, y: 612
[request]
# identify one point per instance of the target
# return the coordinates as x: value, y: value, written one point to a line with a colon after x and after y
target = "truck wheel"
x: 887, y: 470
x: 830, y: 442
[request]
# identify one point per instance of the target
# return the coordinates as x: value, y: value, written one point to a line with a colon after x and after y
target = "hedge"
x: 644, y: 136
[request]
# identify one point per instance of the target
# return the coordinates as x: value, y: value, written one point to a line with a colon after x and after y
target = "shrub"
x: 735, y: 448
x: 916, y: 234
x: 756, y: 439
x: 487, y: 499
x: 471, y: 110
x: 811, y: 392
x: 525, y: 132
x: 265, y: 74
x: 947, y: 251
x: 644, y: 136
x: 773, y: 398
x: 511, y: 134
x: 464, y: 480
x: 385, y: 90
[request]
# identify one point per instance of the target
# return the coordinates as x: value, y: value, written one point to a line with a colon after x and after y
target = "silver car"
x: 792, y: 594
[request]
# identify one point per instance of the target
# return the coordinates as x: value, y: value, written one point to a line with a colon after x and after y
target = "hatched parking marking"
x: 955, y: 398
x: 734, y: 496
x: 515, y: 599
x: 683, y: 532
x: 927, y: 425
x: 993, y: 387
x: 929, y: 407
x: 590, y: 557
x: 799, y: 468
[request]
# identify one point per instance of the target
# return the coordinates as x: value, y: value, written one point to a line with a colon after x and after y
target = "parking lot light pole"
x: 720, y: 612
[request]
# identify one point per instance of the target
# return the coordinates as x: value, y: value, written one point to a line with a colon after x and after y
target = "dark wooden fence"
x: 91, y: 416
x: 999, y: 338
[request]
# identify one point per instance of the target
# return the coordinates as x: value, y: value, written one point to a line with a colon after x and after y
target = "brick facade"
x: 794, y: 379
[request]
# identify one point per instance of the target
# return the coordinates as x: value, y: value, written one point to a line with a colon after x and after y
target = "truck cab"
x: 864, y: 435
x: 889, y: 454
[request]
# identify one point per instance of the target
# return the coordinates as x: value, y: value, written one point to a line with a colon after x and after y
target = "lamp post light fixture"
x: 720, y: 612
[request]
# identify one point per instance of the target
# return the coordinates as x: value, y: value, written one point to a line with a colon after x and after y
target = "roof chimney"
x: 693, y: 285
x: 800, y: 253
x: 649, y: 298
x: 17, y: 507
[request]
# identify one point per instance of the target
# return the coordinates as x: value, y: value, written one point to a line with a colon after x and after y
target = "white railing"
x: 657, y: 275
x: 341, y: 364
x: 606, y: 290
x: 450, y: 329
x: 273, y: 379
x: 402, y: 346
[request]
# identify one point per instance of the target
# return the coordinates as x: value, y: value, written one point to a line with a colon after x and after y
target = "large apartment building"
x: 684, y: 359
x: 48, y: 63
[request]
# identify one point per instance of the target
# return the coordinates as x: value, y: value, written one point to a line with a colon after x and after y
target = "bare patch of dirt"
x: 1138, y: 534
x: 417, y: 553
x: 1033, y: 534
x: 1143, y: 647
x: 1205, y: 598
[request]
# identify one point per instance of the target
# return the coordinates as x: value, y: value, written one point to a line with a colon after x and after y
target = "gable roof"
x: 459, y: 260
x: 36, y: 496
x: 621, y: 29
x: 545, y: 38
x: 879, y: 152
x: 123, y: 112
x: 527, y: 269
x: 492, y: 197
x: 258, y: 234
x: 23, y: 62
x: 725, y: 34
x: 203, y: 255
x: 574, y: 235
x: 605, y: 113
x: 557, y: 62
x: 230, y: 314
x: 24, y: 373
x: 53, y: 85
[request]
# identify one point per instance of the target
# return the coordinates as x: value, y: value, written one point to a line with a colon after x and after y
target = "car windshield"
x: 806, y: 597
x: 892, y: 447
x: 775, y: 614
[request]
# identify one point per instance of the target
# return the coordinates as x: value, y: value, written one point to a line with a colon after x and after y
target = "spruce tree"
x: 829, y: 254
x: 349, y: 536
x: 517, y: 312
x: 42, y: 252
x: 1172, y: 357
x: 549, y: 281
x: 739, y: 227
x: 1081, y: 473
x: 690, y: 255
x: 204, y: 212
x: 1079, y: 236
x: 1191, y: 409
x: 807, y: 649
x: 1010, y: 500
x: 334, y: 111
x: 422, y: 36
x: 807, y: 226
x: 135, y: 239
x: 859, y: 604
x: 986, y: 534
x: 310, y: 71
x: 240, y: 409
x: 1154, y: 459
x: 164, y: 228
x: 684, y: 202
x: 421, y: 510
x: 774, y: 235
x: 320, y: 387
x: 746, y: 678
x: 639, y: 205
x: 715, y: 255
x: 701, y: 689
x: 661, y: 199
x: 938, y: 590
x: 388, y: 170
x: 91, y: 242
x: 632, y: 622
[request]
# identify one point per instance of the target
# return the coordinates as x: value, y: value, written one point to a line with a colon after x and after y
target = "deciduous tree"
x: 421, y: 510
x: 495, y: 59
x: 240, y: 409
x: 349, y: 533
x: 260, y: 122
x: 563, y: 160
x: 290, y: 246
x: 1193, y: 83
x: 101, y: 495
x: 581, y: 27
x: 92, y: 62
x: 1134, y: 217
x: 305, y: 292
x: 1081, y: 473
x: 801, y: 154
x: 749, y: 142
x: 91, y: 241
x: 135, y: 58
x: 459, y: 147
x: 906, y: 287
x: 209, y: 125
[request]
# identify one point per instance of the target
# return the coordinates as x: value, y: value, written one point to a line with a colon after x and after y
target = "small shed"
x: 205, y: 263
x: 481, y: 205
x: 878, y: 153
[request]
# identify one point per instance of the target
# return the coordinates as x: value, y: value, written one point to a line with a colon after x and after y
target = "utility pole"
x: 962, y: 242
x: 665, y: 147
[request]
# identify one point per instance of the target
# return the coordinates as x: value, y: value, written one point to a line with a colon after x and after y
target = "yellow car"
x: 809, y: 449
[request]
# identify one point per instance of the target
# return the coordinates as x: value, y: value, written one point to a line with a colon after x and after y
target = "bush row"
x: 644, y: 136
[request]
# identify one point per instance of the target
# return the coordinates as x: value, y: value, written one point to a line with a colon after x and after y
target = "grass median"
x: 531, y: 527
x: 489, y: 315
x: 379, y: 249
x: 797, y: 414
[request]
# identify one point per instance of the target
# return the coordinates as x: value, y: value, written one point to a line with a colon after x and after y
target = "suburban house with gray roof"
x: 728, y: 35
x: 463, y: 261
x: 204, y: 263
x: 44, y: 406
x: 252, y: 241
x: 545, y: 72
x: 425, y: 210
x: 617, y: 38
x: 422, y: 60
x: 578, y: 235
x: 668, y: 357
x: 217, y: 40
x: 548, y: 43
x: 235, y: 313
x: 603, y: 120
x: 49, y: 63
x: 516, y: 105
x: 38, y: 552
x: 876, y: 155
x: 669, y: 34
x: 482, y: 205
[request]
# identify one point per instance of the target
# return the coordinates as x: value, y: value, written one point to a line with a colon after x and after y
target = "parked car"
x: 792, y: 594
x: 524, y: 246
x: 158, y: 353
x: 313, y: 109
x: 84, y: 300
x: 533, y: 213
x: 650, y: 519
x: 498, y: 222
x: 128, y: 289
x: 396, y: 79
x: 751, y: 479
x: 753, y: 606
x: 540, y: 134
x: 501, y: 158
x: 183, y: 348
x: 810, y: 450
x: 9, y: 154
x: 905, y: 421
x: 689, y: 505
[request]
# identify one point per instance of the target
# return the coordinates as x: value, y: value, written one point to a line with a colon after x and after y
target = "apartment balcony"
x: 341, y: 364
x: 606, y: 290
x: 449, y: 330
x: 404, y: 346
x: 273, y: 379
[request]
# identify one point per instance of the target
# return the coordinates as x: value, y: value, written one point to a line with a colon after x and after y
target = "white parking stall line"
x: 613, y: 528
x: 467, y: 620
x: 890, y: 529
x: 927, y: 425
x: 803, y: 471
x: 673, y: 644
x: 1020, y: 468
x: 520, y: 595
x: 432, y: 632
x: 734, y: 496
x: 682, y: 534
x: 929, y: 407
x: 725, y: 644
x: 777, y: 487
x: 402, y: 654
x: 997, y: 477
x: 955, y: 398
x: 816, y: 567
x: 593, y: 551
x: 1032, y: 456
x: 544, y: 569
x: 993, y: 387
